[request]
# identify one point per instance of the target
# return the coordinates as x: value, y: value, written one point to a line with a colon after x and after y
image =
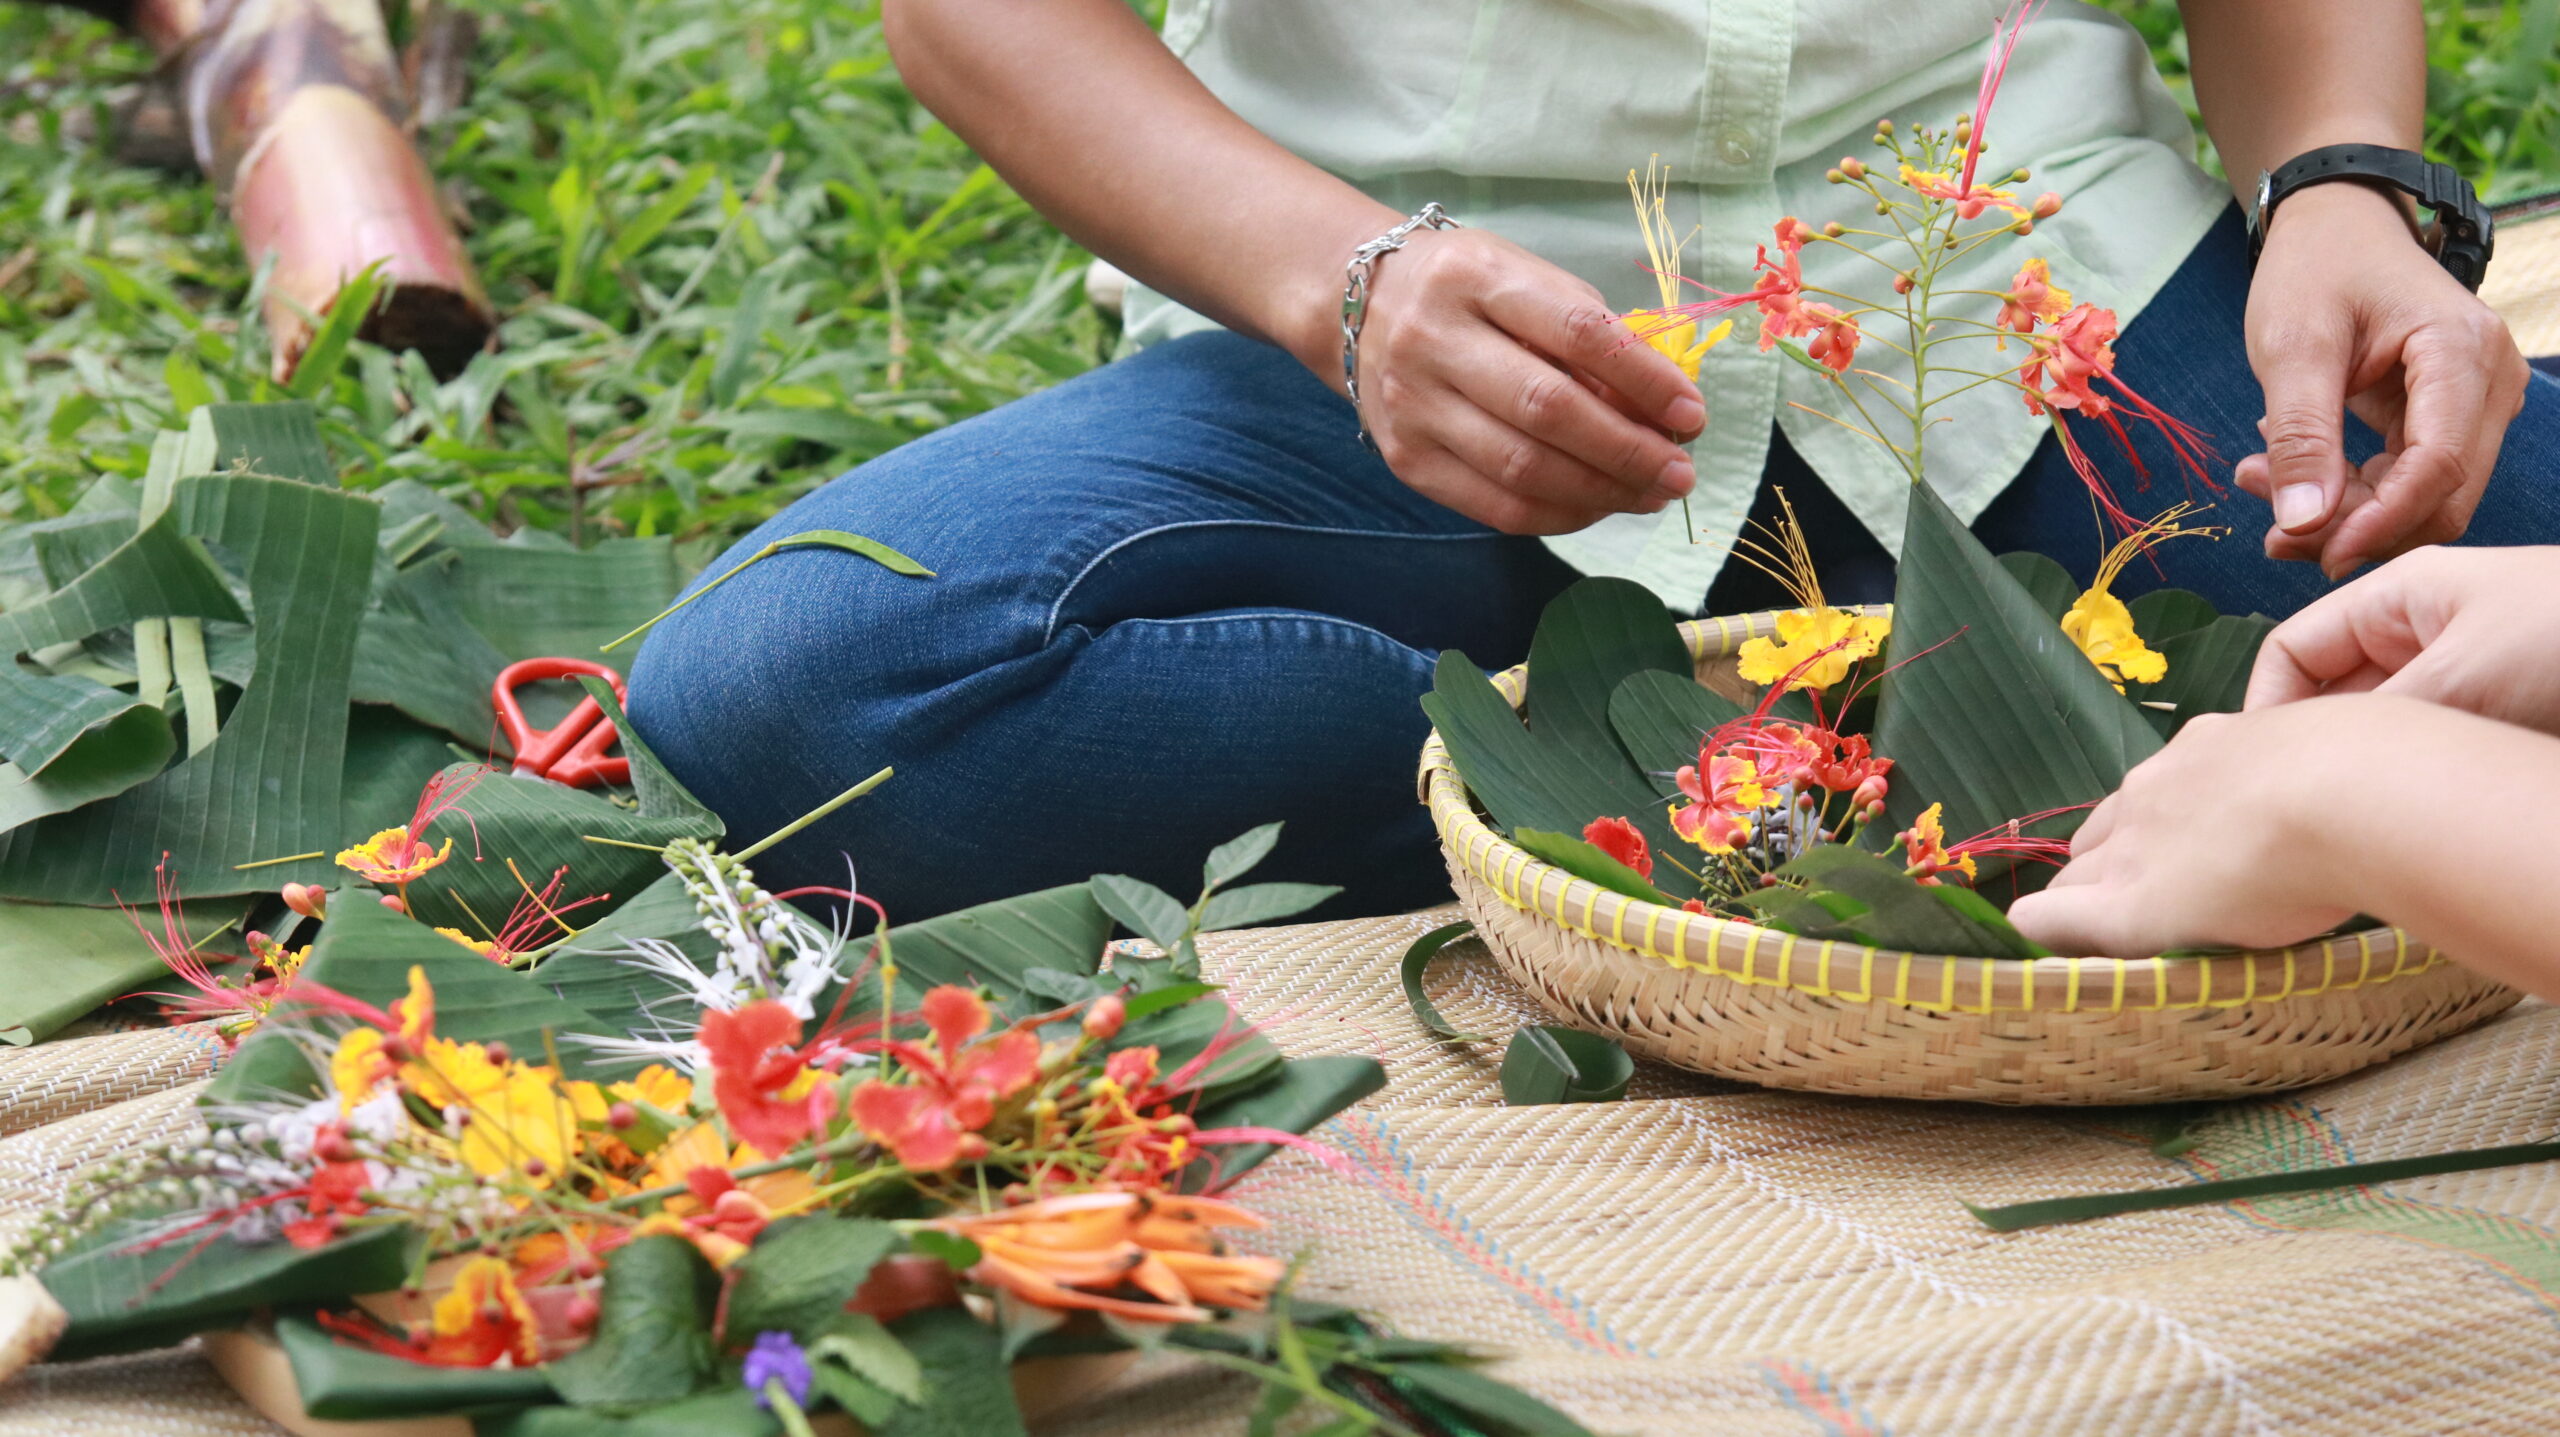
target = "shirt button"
x: 1736, y: 145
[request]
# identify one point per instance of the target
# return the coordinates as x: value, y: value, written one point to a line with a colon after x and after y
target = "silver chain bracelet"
x: 1357, y: 278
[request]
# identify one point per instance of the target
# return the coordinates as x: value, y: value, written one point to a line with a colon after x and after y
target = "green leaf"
x: 800, y: 1274
x: 968, y: 1391
x: 1511, y: 1411
x: 1417, y: 960
x: 720, y: 1412
x: 658, y: 792
x: 2045, y: 581
x: 57, y: 963
x: 366, y: 951
x: 1156, y: 1000
x: 1563, y: 1065
x: 645, y: 227
x: 1583, y: 859
x: 1237, y: 856
x: 1862, y: 898
x: 2043, y: 1212
x: 122, y: 753
x: 2163, y: 614
x: 1261, y: 903
x: 863, y: 1401
x: 1660, y: 719
x: 871, y: 549
x: 269, y: 785
x: 1306, y: 1094
x: 543, y: 827
x: 281, y: 441
x: 2208, y: 671
x: 416, y: 652
x: 653, y: 1340
x: 956, y: 1252
x: 122, y: 1299
x: 541, y: 602
x: 738, y: 346
x: 2008, y: 718
x: 866, y: 1349
x: 1142, y: 908
x: 345, y: 1383
x: 325, y: 356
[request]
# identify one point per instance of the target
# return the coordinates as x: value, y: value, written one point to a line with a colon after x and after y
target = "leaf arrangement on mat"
x: 1999, y: 729
x: 1542, y: 1064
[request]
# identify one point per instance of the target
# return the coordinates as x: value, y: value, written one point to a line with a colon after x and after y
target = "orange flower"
x: 1622, y: 841
x: 1717, y: 817
x: 956, y: 1086
x: 2032, y: 296
x: 482, y: 1322
x: 1083, y: 1250
x: 1835, y: 337
x: 397, y: 856
x: 1925, y: 845
x: 2080, y: 348
x: 769, y: 1097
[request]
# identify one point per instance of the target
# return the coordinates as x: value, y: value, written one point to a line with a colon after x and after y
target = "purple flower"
x: 776, y: 1358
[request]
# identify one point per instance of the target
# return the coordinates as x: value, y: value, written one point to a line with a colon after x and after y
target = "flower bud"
x: 2024, y: 227
x: 498, y: 1052
x: 1884, y: 127
x: 1834, y: 229
x: 1853, y: 167
x: 736, y: 1205
x: 392, y: 902
x: 620, y: 1116
x: 1104, y: 1015
x: 2019, y: 176
x: 1869, y: 793
x: 972, y: 1147
x: 1882, y: 208
x: 1902, y: 283
x: 2047, y: 205
x: 308, y: 899
x: 581, y: 1312
x: 1835, y: 177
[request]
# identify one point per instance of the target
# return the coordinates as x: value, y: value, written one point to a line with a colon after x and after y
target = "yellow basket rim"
x: 1715, y: 949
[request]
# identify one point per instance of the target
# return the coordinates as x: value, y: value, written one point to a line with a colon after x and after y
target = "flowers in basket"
x: 718, y: 1162
x: 1881, y: 777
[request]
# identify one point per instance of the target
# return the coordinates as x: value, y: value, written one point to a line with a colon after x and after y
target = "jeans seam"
x: 1049, y: 630
x: 1294, y: 616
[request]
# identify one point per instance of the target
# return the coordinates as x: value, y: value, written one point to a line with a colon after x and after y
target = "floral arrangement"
x: 1883, y: 777
x: 713, y: 1160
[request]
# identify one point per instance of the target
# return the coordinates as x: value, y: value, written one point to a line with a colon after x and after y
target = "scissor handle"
x: 539, y: 751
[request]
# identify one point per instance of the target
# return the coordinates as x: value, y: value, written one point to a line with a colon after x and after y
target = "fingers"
x: 2303, y: 370
x: 2425, y: 492
x: 2337, y: 637
x: 1563, y: 416
x: 1572, y: 327
x: 2079, y: 920
x: 1442, y: 476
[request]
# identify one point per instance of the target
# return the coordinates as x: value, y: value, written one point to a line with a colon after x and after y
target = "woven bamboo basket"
x: 1741, y: 1001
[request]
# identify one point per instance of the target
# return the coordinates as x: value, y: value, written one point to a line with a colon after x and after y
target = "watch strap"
x: 2464, y: 232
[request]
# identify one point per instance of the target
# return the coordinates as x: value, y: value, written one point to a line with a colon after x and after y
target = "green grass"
x: 731, y: 253
x: 733, y: 257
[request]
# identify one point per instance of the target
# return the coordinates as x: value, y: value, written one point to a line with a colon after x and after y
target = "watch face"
x: 2266, y: 185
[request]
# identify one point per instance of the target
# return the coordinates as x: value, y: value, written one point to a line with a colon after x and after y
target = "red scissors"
x: 571, y: 754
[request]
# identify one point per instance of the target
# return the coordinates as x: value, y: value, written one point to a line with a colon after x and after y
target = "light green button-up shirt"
x: 1524, y: 116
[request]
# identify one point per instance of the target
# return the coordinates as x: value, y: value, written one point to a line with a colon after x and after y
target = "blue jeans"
x: 1177, y: 598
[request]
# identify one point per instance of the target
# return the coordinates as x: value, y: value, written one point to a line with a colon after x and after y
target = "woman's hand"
x: 2347, y: 306
x: 1502, y: 387
x: 2476, y: 629
x: 2244, y: 830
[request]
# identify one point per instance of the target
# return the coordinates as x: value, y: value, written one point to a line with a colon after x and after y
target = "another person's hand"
x: 2231, y: 834
x: 2346, y: 308
x: 2476, y: 629
x: 1503, y: 387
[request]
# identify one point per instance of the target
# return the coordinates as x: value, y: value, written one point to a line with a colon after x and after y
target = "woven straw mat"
x: 2523, y: 284
x: 1708, y: 1258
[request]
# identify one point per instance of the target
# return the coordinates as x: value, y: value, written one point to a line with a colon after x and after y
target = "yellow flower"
x: 660, y: 1087
x: 483, y: 1321
x: 392, y: 856
x: 358, y: 1066
x: 1838, y: 636
x: 525, y: 1126
x: 1672, y: 335
x: 2100, y: 623
x: 486, y: 948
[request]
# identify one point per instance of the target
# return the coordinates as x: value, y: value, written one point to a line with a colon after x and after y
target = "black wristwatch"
x: 2463, y: 233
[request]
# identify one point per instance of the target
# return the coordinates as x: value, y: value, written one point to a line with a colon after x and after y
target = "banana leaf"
x: 1992, y: 712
